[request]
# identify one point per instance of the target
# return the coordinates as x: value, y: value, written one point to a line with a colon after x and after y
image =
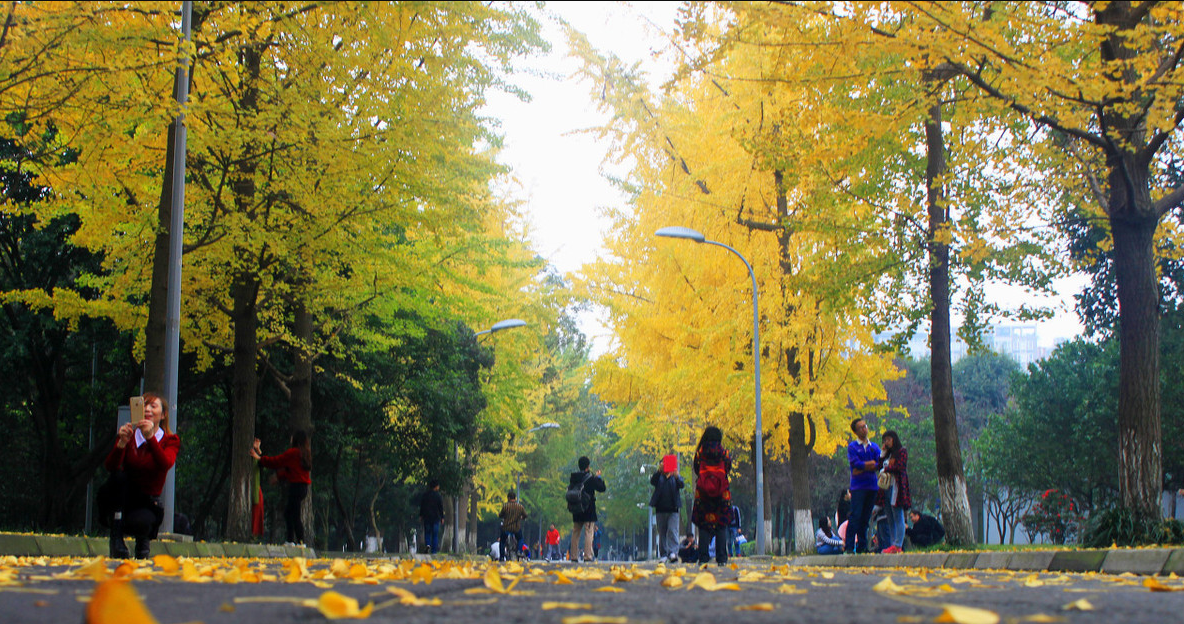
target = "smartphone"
x: 137, y: 409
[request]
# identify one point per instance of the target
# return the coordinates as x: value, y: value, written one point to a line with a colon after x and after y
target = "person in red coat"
x: 294, y: 466
x: 144, y: 452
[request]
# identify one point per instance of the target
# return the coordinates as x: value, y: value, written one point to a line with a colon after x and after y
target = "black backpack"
x: 578, y: 501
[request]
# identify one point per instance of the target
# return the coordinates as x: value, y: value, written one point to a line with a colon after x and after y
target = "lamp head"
x: 681, y: 232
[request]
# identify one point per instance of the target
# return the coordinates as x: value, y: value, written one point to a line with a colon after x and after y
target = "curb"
x: 26, y: 545
x: 1143, y: 561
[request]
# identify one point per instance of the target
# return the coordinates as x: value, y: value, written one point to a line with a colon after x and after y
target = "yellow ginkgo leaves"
x: 335, y: 606
x: 958, y: 614
x: 707, y: 582
x: 116, y: 602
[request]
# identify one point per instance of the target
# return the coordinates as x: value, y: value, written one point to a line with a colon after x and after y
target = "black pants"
x: 142, y: 513
x: 721, y: 544
x: 296, y: 494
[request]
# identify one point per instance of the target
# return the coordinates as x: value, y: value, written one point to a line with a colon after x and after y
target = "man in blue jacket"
x: 863, y: 456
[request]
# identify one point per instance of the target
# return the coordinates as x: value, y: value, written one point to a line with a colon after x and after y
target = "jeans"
x: 830, y: 549
x: 896, y: 525
x: 733, y: 547
x: 861, y: 512
x: 431, y: 536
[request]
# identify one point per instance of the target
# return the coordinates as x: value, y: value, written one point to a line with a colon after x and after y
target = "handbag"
x: 884, y: 480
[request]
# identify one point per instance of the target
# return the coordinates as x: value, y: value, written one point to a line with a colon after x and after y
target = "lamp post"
x: 649, y: 545
x: 498, y: 326
x: 689, y: 234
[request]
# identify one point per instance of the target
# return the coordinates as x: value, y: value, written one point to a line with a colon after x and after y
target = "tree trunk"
x: 1140, y: 464
x: 799, y: 468
x: 244, y: 390
x: 951, y: 481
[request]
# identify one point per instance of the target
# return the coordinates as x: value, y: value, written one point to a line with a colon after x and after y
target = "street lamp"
x: 689, y: 234
x: 498, y: 326
x: 649, y: 547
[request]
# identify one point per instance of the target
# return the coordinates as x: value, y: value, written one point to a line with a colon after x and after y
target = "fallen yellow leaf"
x: 887, y: 586
x: 116, y: 602
x: 790, y: 589
x: 335, y: 606
x: 672, y: 582
x: 957, y: 614
x: 1041, y: 617
x: 594, y: 619
x: 560, y: 579
x: 166, y: 563
x: 609, y: 589
x: 95, y: 570
x: 1080, y: 604
x: 548, y: 606
x: 1154, y: 585
x: 760, y: 606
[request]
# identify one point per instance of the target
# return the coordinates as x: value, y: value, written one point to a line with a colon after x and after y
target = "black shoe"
x: 118, y: 549
x: 142, y: 547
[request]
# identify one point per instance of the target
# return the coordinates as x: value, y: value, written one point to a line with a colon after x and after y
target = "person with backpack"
x: 581, y: 502
x: 712, y: 511
x: 667, y: 501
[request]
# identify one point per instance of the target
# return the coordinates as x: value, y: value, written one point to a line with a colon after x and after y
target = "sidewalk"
x: 1144, y: 561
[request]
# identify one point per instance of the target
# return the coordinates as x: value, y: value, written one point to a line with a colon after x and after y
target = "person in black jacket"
x: 431, y: 512
x: 667, y: 501
x: 926, y: 530
x: 585, y: 519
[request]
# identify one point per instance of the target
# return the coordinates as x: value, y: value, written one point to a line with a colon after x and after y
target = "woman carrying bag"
x: 712, y: 511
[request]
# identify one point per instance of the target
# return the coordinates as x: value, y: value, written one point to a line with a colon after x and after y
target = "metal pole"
x: 456, y: 506
x: 760, y: 446
x: 172, y: 344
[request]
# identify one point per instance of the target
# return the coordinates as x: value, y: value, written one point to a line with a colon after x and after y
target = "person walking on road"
x: 863, y: 457
x: 431, y: 514
x: 667, y: 501
x: 712, y: 511
x: 553, y: 544
x: 583, y: 513
x: 896, y: 499
x: 294, y: 467
x: 512, y: 515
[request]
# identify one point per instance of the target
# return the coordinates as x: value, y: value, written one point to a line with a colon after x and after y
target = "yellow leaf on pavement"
x: 166, y: 563
x: 1078, y: 605
x: 493, y: 580
x: 335, y: 606
x: 594, y: 619
x: 1043, y: 618
x: 95, y: 570
x: 610, y: 589
x: 887, y: 586
x: 790, y: 589
x: 548, y: 606
x: 672, y: 582
x: 1154, y: 585
x: 560, y: 579
x: 760, y: 606
x: 116, y: 602
x: 957, y: 614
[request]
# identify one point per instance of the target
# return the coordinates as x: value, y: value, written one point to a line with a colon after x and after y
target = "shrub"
x: 1128, y: 527
x: 1056, y: 515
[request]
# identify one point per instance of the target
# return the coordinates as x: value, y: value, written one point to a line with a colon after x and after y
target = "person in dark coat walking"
x: 667, y: 501
x: 431, y: 513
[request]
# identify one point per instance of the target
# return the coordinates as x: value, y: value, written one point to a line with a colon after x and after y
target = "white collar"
x: 140, y: 440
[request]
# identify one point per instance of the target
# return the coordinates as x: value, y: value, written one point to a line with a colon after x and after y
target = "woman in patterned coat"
x: 712, y: 511
x: 897, y: 499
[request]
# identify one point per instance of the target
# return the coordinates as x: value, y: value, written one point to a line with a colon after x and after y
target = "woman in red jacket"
x: 143, y: 454
x: 294, y: 466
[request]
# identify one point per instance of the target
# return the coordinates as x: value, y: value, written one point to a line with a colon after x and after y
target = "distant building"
x: 1016, y: 341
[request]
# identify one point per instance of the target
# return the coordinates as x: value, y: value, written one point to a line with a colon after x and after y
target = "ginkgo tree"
x: 336, y: 164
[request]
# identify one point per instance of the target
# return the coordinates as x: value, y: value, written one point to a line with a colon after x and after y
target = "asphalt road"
x: 33, y: 595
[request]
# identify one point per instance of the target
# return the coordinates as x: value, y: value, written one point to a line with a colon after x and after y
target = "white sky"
x: 560, y: 170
